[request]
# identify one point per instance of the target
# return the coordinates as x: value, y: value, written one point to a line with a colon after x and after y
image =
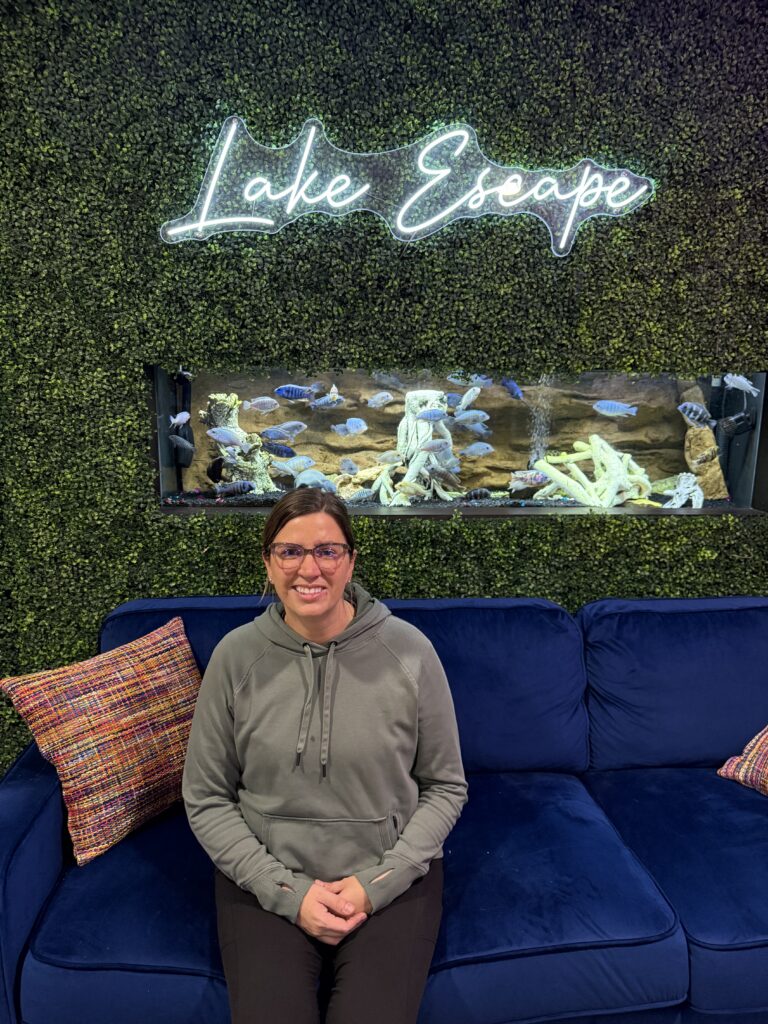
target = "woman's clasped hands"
x: 331, y: 910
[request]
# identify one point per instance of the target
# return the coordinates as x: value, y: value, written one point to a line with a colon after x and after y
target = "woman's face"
x: 312, y: 594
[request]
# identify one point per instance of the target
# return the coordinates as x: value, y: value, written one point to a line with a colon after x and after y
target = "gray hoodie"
x: 321, y: 761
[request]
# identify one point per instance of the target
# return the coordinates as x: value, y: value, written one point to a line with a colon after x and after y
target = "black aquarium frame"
x: 747, y: 452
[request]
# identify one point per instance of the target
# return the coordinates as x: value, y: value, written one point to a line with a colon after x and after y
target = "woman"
x: 322, y: 777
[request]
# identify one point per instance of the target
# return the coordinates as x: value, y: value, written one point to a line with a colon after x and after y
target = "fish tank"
x: 422, y: 442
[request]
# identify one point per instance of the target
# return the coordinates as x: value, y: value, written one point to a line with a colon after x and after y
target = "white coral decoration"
x: 617, y: 477
x: 412, y: 433
x: 686, y: 489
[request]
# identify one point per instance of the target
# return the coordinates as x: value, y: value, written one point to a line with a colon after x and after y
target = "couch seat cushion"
x: 547, y: 912
x: 146, y: 906
x: 705, y: 840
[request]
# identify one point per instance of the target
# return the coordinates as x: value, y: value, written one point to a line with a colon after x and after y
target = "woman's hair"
x: 304, y: 501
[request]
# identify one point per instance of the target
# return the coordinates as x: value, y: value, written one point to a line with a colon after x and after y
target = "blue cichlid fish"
x: 459, y: 379
x: 181, y: 443
x: 437, y: 444
x: 471, y: 416
x: 477, y: 449
x: 293, y: 466
x: 356, y: 426
x: 512, y: 387
x: 479, y: 429
x: 235, y: 487
x: 467, y: 399
x: 341, y: 429
x: 453, y: 399
x: 432, y: 415
x: 390, y: 458
x: 735, y: 380
x: 697, y: 414
x: 276, y: 434
x: 607, y: 407
x: 314, y: 478
x: 281, y: 450
x: 481, y: 381
x: 296, y: 393
x: 293, y: 427
x: 264, y: 405
x: 380, y: 399
x: 329, y: 401
x: 226, y: 436
x: 364, y: 494
x: 349, y: 466
x: 180, y: 419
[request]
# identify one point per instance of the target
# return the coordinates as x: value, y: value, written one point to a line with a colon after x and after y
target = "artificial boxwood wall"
x: 111, y: 111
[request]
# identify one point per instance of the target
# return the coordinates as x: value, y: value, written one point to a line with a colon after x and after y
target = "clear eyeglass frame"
x: 290, y: 556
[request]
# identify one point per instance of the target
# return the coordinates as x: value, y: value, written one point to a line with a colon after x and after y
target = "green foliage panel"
x: 110, y: 112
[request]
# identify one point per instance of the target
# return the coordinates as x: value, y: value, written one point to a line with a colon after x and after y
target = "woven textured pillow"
x: 116, y: 729
x: 751, y: 767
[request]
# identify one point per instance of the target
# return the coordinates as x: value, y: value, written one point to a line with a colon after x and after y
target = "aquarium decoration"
x: 417, y: 189
x: 390, y: 441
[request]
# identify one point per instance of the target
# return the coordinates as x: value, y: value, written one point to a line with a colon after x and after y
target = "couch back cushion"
x: 515, y: 668
x: 674, y: 681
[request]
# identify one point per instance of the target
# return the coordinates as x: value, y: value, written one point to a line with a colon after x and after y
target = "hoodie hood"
x: 369, y: 616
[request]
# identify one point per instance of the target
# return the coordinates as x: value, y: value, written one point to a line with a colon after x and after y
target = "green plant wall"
x: 109, y: 116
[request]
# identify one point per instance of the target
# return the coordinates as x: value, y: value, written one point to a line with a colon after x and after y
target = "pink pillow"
x: 751, y: 767
x: 116, y: 729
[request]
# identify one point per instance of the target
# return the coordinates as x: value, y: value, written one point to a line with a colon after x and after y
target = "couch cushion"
x: 515, y: 667
x: 116, y: 728
x: 144, y: 907
x: 547, y: 911
x: 674, y: 682
x: 516, y: 671
x: 705, y: 840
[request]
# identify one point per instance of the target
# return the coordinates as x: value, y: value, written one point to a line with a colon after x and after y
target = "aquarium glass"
x: 422, y: 441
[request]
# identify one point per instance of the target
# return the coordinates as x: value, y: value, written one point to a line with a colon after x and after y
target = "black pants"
x: 277, y: 974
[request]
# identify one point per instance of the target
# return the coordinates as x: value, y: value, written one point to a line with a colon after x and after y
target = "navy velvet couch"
x: 601, y: 869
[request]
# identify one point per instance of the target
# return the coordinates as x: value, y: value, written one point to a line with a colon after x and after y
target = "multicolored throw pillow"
x: 116, y: 729
x: 751, y: 767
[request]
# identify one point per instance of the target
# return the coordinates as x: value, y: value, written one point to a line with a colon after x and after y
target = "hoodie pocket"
x: 326, y: 848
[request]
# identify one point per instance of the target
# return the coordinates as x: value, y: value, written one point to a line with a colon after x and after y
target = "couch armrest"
x: 31, y: 858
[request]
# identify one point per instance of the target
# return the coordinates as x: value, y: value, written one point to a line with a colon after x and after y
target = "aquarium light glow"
x: 416, y: 189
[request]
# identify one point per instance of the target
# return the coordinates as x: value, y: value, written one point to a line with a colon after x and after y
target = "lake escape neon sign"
x: 416, y: 189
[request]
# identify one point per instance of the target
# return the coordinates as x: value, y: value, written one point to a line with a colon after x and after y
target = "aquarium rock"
x: 250, y: 462
x: 701, y: 455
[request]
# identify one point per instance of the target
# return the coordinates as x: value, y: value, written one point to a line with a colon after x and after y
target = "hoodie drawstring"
x: 325, y: 721
x: 325, y: 727
x: 304, y: 728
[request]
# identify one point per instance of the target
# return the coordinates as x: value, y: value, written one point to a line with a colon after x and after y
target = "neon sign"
x: 416, y: 189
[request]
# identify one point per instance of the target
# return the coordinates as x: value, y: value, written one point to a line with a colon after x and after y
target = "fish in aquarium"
x: 380, y: 399
x: 513, y: 388
x: 407, y: 439
x: 735, y: 380
x: 292, y: 467
x: 697, y: 414
x: 295, y: 393
x: 263, y: 405
x: 607, y: 407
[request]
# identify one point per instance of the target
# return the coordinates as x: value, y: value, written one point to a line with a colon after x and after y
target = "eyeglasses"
x: 290, y: 556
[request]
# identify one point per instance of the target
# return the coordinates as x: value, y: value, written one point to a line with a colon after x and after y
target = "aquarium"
x: 423, y: 442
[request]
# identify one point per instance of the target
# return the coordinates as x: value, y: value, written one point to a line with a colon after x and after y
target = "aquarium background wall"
x: 111, y: 112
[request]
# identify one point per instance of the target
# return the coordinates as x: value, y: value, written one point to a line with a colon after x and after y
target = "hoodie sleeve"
x: 209, y: 790
x: 442, y: 791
